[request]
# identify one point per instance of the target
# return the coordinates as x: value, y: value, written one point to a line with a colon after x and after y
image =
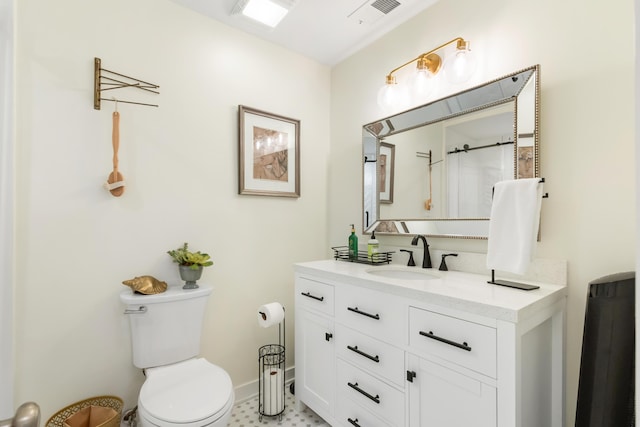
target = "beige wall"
x: 586, y: 54
x: 76, y: 243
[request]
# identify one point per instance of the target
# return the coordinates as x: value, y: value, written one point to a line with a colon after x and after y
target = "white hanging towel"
x: 513, y: 225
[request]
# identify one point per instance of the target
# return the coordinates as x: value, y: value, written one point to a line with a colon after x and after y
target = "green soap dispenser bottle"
x: 353, y: 244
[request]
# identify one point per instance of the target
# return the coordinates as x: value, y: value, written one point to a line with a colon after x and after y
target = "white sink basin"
x: 415, y: 273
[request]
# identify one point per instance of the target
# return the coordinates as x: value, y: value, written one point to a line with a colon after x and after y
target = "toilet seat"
x: 192, y: 393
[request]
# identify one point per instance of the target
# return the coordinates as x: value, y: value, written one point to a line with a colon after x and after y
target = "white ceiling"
x: 325, y: 30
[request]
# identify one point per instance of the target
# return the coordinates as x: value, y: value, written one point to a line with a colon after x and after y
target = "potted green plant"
x: 190, y: 264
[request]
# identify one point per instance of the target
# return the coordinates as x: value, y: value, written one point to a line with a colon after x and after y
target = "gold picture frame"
x: 386, y: 160
x: 268, y: 154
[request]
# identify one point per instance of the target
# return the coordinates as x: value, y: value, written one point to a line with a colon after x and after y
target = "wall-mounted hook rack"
x: 104, y: 79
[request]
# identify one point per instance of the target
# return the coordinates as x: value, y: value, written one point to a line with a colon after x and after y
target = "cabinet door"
x: 439, y: 396
x: 315, y: 362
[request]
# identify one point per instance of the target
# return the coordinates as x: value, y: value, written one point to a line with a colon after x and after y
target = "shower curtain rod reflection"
x: 466, y: 147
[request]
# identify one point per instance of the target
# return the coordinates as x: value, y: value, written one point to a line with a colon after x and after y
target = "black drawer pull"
x: 328, y: 336
x: 307, y: 294
x: 362, y: 353
x: 375, y: 398
x: 431, y: 335
x: 355, y: 310
x: 353, y: 422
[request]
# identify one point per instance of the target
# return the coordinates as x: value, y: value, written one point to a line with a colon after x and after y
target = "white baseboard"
x: 249, y: 390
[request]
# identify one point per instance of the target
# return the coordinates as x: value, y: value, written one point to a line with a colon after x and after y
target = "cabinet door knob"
x: 411, y: 375
x: 328, y: 336
x: 353, y: 422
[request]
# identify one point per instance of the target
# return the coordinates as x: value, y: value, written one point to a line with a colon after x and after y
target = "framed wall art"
x: 385, y: 171
x: 269, y: 154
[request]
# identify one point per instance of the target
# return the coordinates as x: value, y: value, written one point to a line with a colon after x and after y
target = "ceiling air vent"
x: 385, y: 6
x: 371, y: 11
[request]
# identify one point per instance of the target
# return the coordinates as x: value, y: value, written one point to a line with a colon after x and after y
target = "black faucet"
x: 443, y: 263
x: 426, y: 256
x: 411, y: 262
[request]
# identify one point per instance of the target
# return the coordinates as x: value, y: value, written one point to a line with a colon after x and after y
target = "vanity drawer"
x: 374, y: 313
x: 370, y: 354
x: 382, y: 399
x: 458, y: 341
x: 314, y: 295
x: 349, y: 413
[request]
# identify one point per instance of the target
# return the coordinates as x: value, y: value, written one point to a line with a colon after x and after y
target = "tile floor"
x: 245, y: 414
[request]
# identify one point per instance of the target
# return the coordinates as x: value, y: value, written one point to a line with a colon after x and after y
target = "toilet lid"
x: 186, y: 392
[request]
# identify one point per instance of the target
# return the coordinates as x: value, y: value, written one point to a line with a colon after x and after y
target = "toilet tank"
x: 167, y: 327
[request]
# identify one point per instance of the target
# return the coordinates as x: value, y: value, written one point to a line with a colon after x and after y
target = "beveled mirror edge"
x: 402, y: 226
x: 536, y: 144
x: 536, y: 130
x: 533, y: 68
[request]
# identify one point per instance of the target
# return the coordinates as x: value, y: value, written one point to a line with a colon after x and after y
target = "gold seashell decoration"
x: 147, y: 285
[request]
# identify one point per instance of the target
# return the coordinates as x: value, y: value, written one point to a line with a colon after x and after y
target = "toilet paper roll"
x: 272, y: 391
x: 270, y: 314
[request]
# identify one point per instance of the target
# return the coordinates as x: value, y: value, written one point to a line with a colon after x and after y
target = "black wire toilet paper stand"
x: 271, y: 378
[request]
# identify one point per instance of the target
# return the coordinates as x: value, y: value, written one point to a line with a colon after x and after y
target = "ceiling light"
x: 266, y: 12
x: 458, y: 68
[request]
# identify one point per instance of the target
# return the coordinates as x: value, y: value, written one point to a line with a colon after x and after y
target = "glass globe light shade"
x: 421, y: 85
x: 392, y: 98
x: 460, y: 66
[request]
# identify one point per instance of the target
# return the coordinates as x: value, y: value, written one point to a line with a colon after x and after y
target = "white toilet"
x: 181, y: 389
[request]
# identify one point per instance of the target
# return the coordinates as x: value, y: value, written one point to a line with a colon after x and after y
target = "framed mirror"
x: 441, y: 160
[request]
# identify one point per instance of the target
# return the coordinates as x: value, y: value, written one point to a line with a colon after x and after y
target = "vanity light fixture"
x: 458, y: 68
x: 267, y: 12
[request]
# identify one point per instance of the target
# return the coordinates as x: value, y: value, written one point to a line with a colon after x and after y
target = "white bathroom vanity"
x: 406, y: 346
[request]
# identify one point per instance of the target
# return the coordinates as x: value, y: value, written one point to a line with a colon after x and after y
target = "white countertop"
x: 452, y: 289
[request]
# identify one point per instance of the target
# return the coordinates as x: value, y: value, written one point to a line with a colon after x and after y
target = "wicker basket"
x: 57, y: 419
